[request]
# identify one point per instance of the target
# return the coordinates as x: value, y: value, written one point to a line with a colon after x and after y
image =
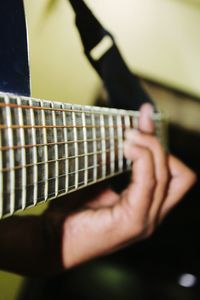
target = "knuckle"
x: 150, y: 229
x: 156, y: 146
x: 189, y: 178
x: 155, y: 143
x: 136, y: 228
x: 150, y: 184
x: 146, y: 156
x: 139, y: 229
x: 164, y: 177
x: 193, y: 177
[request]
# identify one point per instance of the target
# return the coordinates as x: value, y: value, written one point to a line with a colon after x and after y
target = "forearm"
x: 29, y: 246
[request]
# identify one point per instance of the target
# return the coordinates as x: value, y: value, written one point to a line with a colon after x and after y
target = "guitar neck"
x: 48, y: 149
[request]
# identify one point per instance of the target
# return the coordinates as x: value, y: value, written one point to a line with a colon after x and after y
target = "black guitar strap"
x: 123, y: 87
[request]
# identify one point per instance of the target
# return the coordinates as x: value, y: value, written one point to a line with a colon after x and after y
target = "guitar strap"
x: 123, y: 87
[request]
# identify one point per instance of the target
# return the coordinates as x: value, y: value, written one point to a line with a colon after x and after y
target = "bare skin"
x: 65, y: 236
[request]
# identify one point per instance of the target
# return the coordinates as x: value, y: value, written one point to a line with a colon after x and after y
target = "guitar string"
x: 16, y: 127
x: 81, y: 184
x: 29, y: 126
x: 107, y: 150
x: 74, y: 173
x: 27, y: 146
x: 65, y: 174
x: 15, y: 147
x: 2, y: 126
x: 112, y: 111
x: 115, y: 113
x: 132, y: 119
x: 94, y: 110
x: 5, y: 148
x: 72, y: 188
x: 57, y: 143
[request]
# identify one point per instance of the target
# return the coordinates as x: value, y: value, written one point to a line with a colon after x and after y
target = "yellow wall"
x: 58, y: 67
x: 159, y: 39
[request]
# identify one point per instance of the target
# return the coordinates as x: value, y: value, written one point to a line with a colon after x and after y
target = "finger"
x: 114, y: 225
x: 182, y: 179
x: 152, y: 143
x: 105, y: 198
x: 140, y: 191
x: 145, y: 118
x: 161, y: 167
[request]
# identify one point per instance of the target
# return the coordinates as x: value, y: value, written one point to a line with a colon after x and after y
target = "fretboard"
x: 48, y: 148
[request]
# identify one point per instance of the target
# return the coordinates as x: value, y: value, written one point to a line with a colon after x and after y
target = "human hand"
x: 69, y: 233
x: 110, y: 220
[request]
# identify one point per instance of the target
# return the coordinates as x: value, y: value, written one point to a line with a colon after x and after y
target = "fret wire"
x: 35, y: 167
x: 91, y: 183
x: 120, y: 142
x: 11, y: 158
x: 98, y: 180
x: 55, y: 149
x: 128, y: 126
x: 85, y: 148
x: 94, y: 109
x: 1, y: 180
x: 66, y: 152
x: 75, y: 147
x: 59, y: 159
x: 135, y: 117
x: 23, y: 155
x: 46, y: 171
x: 79, y: 188
x: 10, y: 125
x: 5, y: 148
x: 94, y: 147
x: 57, y: 109
x: 51, y: 197
x: 2, y: 126
x: 103, y: 145
x: 60, y: 176
x: 112, y: 145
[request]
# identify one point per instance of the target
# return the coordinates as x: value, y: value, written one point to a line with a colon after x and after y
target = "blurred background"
x: 160, y: 41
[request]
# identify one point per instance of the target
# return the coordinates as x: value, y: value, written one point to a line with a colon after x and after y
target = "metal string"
x: 102, y: 112
x: 55, y: 160
x: 63, y: 175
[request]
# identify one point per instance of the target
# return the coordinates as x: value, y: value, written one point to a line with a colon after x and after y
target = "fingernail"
x: 148, y: 110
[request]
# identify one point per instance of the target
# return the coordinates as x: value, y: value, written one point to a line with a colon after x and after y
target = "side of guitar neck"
x: 49, y: 149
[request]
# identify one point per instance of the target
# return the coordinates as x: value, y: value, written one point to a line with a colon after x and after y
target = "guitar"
x: 49, y: 149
